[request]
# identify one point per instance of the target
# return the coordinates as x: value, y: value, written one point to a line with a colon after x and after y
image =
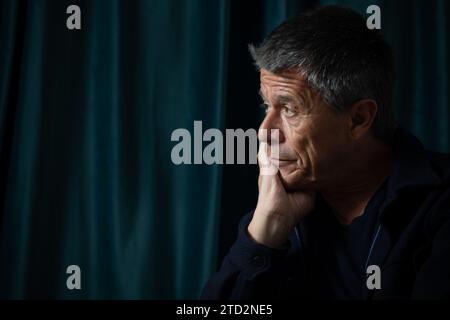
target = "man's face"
x: 313, y: 138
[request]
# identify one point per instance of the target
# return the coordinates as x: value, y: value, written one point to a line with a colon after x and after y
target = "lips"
x: 279, y: 162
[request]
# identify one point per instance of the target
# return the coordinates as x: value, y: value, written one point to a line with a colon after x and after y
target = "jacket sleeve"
x: 249, y: 271
x: 433, y: 278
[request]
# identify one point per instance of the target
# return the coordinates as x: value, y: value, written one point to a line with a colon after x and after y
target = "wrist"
x: 271, y: 233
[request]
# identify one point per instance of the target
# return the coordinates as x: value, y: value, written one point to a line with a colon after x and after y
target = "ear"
x: 361, y: 116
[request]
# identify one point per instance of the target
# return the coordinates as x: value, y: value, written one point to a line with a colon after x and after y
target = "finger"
x: 270, y: 183
x: 266, y: 167
x: 263, y: 157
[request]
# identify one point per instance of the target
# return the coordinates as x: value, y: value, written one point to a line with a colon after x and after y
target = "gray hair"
x: 338, y: 56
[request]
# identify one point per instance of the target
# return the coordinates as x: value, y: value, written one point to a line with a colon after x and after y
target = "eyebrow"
x: 280, y: 99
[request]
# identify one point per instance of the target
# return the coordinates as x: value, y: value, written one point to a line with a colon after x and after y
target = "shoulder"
x: 441, y: 165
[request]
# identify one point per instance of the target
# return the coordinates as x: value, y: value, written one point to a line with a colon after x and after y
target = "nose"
x: 271, y: 121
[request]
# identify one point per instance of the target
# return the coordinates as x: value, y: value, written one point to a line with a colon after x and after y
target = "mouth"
x: 279, y: 162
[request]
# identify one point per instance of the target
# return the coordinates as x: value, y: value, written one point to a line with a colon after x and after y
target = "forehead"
x: 289, y: 82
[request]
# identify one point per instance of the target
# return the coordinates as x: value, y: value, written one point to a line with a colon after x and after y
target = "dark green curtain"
x: 85, y: 122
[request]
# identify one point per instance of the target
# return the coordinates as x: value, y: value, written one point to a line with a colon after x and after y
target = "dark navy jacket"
x: 412, y: 246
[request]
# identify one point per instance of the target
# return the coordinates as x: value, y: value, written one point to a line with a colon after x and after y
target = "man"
x: 358, y: 210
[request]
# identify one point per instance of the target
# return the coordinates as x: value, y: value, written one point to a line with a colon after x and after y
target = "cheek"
x: 302, y: 136
x: 327, y: 146
x: 303, y: 150
x: 301, y: 145
x: 313, y: 141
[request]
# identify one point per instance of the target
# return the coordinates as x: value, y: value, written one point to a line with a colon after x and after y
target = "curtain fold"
x: 86, y: 118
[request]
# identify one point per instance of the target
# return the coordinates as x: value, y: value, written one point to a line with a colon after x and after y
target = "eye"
x: 288, y: 111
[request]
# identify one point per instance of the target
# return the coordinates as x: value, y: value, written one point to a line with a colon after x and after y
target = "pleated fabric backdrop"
x: 86, y: 117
